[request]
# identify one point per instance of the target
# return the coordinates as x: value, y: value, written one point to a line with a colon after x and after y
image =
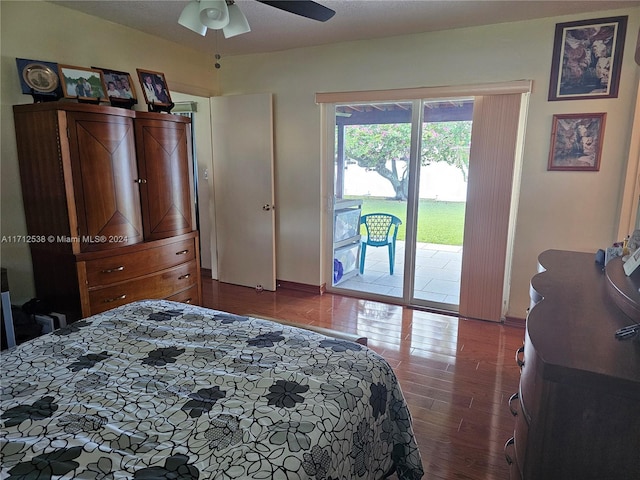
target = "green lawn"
x: 438, y: 222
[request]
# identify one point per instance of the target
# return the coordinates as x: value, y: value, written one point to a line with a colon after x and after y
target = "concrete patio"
x: 437, y: 277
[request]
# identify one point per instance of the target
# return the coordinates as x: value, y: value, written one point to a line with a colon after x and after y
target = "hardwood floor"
x: 456, y: 375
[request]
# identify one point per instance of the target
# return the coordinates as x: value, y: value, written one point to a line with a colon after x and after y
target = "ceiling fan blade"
x: 304, y: 8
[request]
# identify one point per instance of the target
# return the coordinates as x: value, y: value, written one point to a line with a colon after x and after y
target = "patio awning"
x: 398, y: 112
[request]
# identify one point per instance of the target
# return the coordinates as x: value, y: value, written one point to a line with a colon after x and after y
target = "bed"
x: 157, y: 389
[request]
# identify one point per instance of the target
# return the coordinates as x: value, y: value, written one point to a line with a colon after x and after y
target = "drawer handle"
x: 509, y: 442
x: 140, y: 180
x: 513, y: 397
x: 111, y: 270
x: 182, y: 252
x: 188, y: 300
x: 121, y: 297
x: 520, y: 361
x: 185, y: 276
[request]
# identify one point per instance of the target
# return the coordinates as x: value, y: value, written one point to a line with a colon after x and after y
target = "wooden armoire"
x: 109, y: 204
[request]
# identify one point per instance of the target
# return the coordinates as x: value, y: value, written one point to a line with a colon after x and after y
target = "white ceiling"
x: 273, y: 29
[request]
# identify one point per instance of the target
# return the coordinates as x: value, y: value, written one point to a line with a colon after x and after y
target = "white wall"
x: 557, y: 209
x: 564, y: 210
x: 44, y: 31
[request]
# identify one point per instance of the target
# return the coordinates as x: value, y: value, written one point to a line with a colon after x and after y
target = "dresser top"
x: 573, y: 327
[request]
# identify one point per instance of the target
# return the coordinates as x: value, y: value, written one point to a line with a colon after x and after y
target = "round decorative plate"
x: 40, y: 77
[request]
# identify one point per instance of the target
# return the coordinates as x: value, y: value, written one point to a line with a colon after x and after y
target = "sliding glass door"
x: 371, y: 179
x: 402, y: 167
x: 440, y: 202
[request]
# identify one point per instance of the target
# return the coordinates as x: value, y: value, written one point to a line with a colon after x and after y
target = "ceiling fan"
x: 225, y: 15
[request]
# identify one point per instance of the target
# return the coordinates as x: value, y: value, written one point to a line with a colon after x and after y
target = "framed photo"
x: 82, y: 83
x: 632, y: 263
x: 119, y: 85
x: 154, y: 87
x: 576, y: 141
x: 587, y: 58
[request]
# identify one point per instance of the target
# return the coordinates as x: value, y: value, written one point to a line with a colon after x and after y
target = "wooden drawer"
x: 158, y: 285
x: 530, y: 382
x: 521, y: 435
x: 118, y: 268
x: 509, y: 453
x: 189, y: 296
x: 514, y: 471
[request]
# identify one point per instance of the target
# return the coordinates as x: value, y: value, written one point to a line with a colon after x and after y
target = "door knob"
x: 266, y: 207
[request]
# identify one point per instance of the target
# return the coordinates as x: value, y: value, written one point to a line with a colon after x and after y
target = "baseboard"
x: 302, y: 287
x: 515, y: 322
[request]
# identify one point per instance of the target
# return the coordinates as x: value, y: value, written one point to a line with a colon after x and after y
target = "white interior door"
x: 242, y: 135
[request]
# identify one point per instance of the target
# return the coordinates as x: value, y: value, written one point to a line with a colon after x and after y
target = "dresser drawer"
x: 158, y: 285
x: 118, y: 268
x: 509, y: 453
x: 530, y: 382
x: 521, y: 435
x: 189, y: 296
x: 514, y: 471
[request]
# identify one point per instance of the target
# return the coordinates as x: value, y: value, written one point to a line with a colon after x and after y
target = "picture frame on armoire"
x: 39, y: 79
x: 587, y: 59
x: 155, y: 90
x: 120, y: 89
x: 83, y: 84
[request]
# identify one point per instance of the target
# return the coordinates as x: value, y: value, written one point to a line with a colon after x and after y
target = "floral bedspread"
x: 164, y: 390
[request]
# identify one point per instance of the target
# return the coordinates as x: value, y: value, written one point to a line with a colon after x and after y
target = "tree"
x: 380, y: 148
x: 385, y: 149
x: 447, y: 142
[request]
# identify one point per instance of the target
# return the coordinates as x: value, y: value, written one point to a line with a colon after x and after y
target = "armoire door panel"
x: 42, y: 176
x: 107, y: 195
x: 165, y: 164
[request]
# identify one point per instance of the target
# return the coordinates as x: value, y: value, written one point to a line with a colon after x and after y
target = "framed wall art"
x: 587, y: 58
x: 576, y: 141
x: 82, y: 83
x: 154, y: 87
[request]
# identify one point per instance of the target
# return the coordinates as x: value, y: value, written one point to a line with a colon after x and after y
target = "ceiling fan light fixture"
x: 214, y: 14
x: 238, y: 23
x: 190, y: 18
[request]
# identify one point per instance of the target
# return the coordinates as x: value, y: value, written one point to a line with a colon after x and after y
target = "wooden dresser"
x: 108, y: 197
x: 577, y: 411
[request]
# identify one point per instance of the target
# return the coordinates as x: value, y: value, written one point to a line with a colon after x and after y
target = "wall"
x: 44, y: 31
x: 562, y: 210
